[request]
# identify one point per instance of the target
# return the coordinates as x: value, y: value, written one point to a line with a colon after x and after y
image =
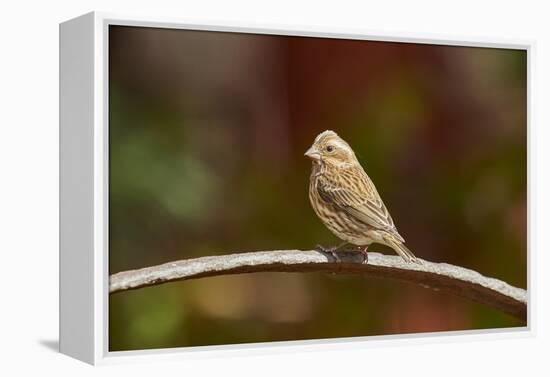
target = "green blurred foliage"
x: 207, y: 134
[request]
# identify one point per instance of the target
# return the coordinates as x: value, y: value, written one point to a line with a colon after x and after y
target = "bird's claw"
x: 364, y: 254
x: 332, y: 251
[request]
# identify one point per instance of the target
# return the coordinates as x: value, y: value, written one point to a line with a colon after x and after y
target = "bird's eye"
x: 329, y: 148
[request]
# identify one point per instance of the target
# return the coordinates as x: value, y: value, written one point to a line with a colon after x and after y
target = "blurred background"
x: 207, y: 135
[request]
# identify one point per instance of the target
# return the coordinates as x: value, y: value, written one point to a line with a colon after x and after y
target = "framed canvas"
x: 230, y: 188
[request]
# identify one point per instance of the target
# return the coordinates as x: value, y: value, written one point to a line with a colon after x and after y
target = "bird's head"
x: 332, y: 150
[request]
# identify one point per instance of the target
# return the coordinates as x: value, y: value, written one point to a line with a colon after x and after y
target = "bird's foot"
x: 345, y: 247
x: 332, y: 251
x: 363, y: 251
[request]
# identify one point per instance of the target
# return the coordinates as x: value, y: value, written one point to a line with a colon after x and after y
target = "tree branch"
x: 439, y: 276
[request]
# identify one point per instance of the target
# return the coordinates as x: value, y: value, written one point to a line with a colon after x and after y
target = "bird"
x: 346, y: 200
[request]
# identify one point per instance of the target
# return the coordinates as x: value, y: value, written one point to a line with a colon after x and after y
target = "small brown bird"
x: 345, y: 199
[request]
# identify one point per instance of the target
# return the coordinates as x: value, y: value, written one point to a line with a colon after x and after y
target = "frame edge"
x: 76, y: 199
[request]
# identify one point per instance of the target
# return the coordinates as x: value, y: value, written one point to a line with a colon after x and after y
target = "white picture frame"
x: 84, y: 190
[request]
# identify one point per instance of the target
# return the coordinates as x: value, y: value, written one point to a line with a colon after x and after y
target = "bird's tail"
x: 404, y: 252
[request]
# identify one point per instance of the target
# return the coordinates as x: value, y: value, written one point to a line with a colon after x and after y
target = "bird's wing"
x: 360, y: 201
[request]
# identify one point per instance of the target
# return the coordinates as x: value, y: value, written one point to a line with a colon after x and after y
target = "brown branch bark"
x: 440, y: 276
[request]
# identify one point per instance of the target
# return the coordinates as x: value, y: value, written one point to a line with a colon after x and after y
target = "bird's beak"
x: 313, y: 153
